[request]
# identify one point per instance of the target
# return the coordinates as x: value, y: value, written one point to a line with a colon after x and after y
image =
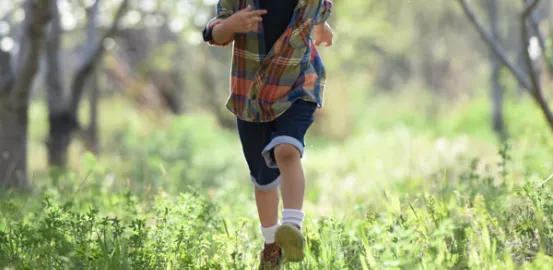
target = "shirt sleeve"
x: 225, y: 9
x: 324, y: 12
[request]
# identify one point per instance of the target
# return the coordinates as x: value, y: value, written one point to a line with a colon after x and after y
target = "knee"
x: 286, y: 153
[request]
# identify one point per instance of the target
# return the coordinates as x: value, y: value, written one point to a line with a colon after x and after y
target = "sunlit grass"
x: 402, y: 191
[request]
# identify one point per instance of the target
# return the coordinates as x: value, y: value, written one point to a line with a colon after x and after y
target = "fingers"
x: 253, y: 28
x: 256, y: 20
x: 246, y: 9
x: 252, y: 23
x: 214, y: 23
x: 256, y: 13
x: 253, y: 20
x: 254, y: 17
x: 248, y: 19
x: 253, y: 13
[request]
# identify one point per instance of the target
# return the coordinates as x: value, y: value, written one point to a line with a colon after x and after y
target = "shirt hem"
x: 270, y: 119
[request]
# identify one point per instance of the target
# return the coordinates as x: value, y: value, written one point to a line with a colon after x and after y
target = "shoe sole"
x: 290, y: 240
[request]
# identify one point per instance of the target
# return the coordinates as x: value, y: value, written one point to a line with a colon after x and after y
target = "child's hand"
x: 215, y: 22
x: 323, y: 34
x: 245, y: 20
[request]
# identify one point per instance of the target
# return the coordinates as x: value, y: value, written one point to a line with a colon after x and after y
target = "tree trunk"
x: 63, y: 116
x: 498, y: 97
x: 91, y: 136
x: 91, y: 133
x: 13, y: 146
x: 497, y: 91
x: 15, y: 86
x: 61, y: 123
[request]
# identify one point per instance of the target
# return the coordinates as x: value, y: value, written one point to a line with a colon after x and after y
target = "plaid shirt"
x: 263, y: 84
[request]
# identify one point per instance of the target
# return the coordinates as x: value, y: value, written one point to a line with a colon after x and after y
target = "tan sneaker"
x: 290, y: 239
x: 271, y: 258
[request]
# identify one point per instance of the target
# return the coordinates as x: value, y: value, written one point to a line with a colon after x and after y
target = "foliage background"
x: 404, y: 169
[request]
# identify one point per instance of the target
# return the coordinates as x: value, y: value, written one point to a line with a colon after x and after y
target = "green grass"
x: 403, y: 191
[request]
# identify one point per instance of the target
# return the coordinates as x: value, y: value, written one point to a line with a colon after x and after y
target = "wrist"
x: 222, y: 32
x: 226, y: 27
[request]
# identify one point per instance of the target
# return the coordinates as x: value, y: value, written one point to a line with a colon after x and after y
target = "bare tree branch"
x: 539, y: 34
x: 533, y: 83
x: 36, y: 17
x: 534, y: 23
x: 529, y: 9
x: 92, y: 59
x: 536, y: 86
x: 495, y: 46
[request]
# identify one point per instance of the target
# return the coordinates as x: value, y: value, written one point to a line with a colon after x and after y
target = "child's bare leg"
x: 267, y: 206
x: 292, y: 178
x: 285, y: 152
x: 289, y: 236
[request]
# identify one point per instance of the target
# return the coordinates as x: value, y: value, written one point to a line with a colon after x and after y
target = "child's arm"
x: 220, y: 35
x: 225, y: 9
x: 227, y: 23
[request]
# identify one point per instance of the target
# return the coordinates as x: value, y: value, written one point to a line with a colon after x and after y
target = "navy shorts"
x: 260, y: 139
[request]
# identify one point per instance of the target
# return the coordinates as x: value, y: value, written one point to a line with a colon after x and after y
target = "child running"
x: 276, y: 85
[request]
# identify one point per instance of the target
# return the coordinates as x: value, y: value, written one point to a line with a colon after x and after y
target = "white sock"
x: 269, y: 233
x: 293, y: 216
